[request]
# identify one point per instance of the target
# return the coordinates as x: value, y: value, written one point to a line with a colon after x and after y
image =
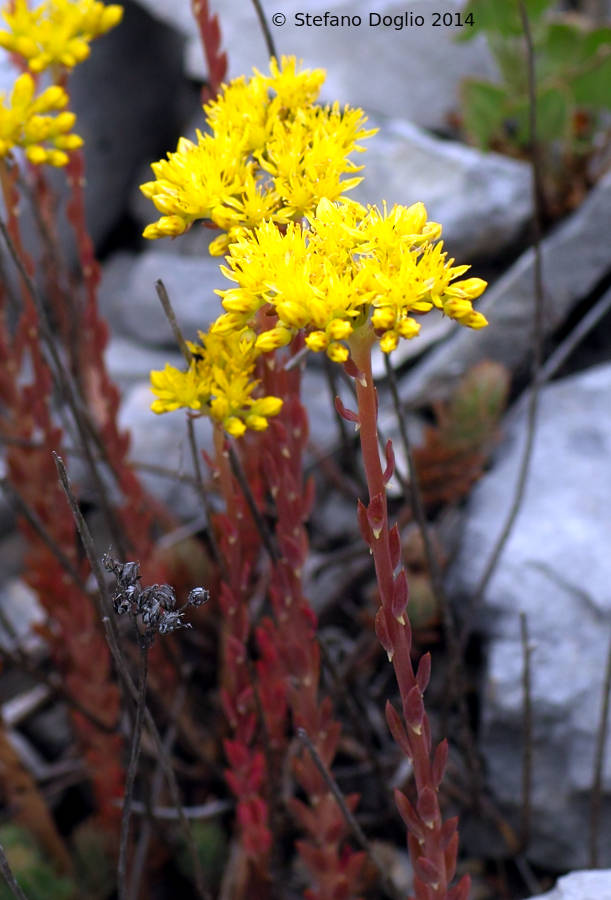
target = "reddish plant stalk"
x: 433, y: 844
x: 76, y: 640
x: 210, y: 35
x: 334, y: 867
x: 246, y: 775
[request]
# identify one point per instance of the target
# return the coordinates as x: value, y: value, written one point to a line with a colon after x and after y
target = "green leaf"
x: 592, y: 88
x: 489, y: 16
x: 553, y: 113
x: 561, y: 48
x: 483, y: 105
x: 599, y: 37
x: 501, y: 18
x: 34, y: 874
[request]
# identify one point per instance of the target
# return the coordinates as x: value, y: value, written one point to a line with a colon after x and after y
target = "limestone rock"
x: 592, y: 885
x: 556, y: 569
x: 129, y: 300
x: 575, y: 259
x: 483, y: 200
x: 410, y: 71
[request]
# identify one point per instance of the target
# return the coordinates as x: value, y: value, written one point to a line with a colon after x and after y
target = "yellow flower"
x: 194, y: 181
x: 26, y: 122
x: 270, y: 155
x: 57, y: 32
x: 352, y: 268
x: 219, y: 383
x: 292, y: 88
x: 308, y: 156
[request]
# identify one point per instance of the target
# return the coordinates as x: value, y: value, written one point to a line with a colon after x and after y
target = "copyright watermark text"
x: 398, y: 22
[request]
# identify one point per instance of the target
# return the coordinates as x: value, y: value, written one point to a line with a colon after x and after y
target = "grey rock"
x: 128, y: 362
x: 483, y: 200
x: 556, y: 569
x: 412, y: 72
x: 129, y: 301
x: 21, y: 610
x: 575, y: 258
x: 162, y: 441
x: 317, y: 397
x: 592, y: 885
x: 130, y: 97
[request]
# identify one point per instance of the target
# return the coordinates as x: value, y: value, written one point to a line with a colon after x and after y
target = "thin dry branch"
x: 269, y: 41
x: 599, y: 759
x: 110, y: 629
x: 9, y: 878
x: 527, y: 734
x: 539, y: 296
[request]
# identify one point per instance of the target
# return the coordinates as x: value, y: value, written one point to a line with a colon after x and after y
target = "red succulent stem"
x: 246, y: 774
x: 433, y: 844
x: 335, y: 868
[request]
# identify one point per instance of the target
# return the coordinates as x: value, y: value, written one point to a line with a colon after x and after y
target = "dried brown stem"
x: 260, y: 523
x: 110, y: 630
x: 7, y: 874
x: 527, y: 735
x: 146, y: 831
x: 599, y: 759
x: 168, y: 309
x: 33, y: 519
x: 199, y: 483
x: 349, y: 818
x: 533, y: 404
x: 82, y: 419
x: 269, y: 41
x: 132, y: 771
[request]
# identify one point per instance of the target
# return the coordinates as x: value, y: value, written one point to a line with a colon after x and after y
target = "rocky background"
x: 134, y: 97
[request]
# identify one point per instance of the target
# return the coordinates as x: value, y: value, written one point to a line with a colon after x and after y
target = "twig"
x: 261, y: 524
x: 528, y: 876
x: 102, y: 601
x: 527, y: 735
x: 597, y: 779
x: 418, y: 509
x: 146, y: 831
x: 184, y: 349
x: 570, y: 343
x: 347, y: 814
x: 110, y: 630
x: 455, y: 676
x: 8, y: 876
x: 296, y: 359
x: 132, y: 770
x: 82, y: 419
x: 342, y: 426
x: 199, y: 483
x: 171, y: 317
x: 33, y: 518
x: 533, y: 404
x: 19, y: 660
x: 168, y: 813
x: 269, y: 41
x: 163, y: 757
x: 153, y: 468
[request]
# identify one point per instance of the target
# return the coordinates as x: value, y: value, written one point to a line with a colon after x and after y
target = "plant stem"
x: 8, y: 876
x: 132, y: 771
x: 393, y: 630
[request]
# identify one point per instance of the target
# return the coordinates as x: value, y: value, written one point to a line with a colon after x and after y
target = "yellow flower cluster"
x: 57, y: 33
x: 270, y: 156
x: 269, y: 174
x: 353, y: 268
x: 26, y: 122
x: 219, y: 383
